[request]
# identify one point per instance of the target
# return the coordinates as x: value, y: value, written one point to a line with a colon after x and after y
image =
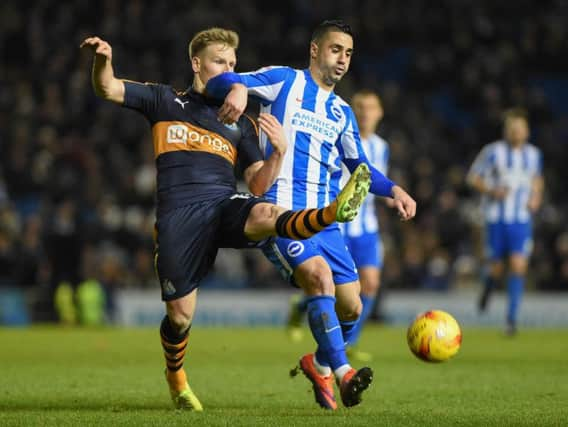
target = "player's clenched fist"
x: 97, y: 46
x: 405, y: 204
x: 235, y: 104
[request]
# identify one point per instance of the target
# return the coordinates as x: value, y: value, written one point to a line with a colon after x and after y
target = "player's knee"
x: 497, y: 269
x: 317, y: 280
x: 179, y: 319
x: 518, y: 265
x: 350, y: 311
x: 261, y: 220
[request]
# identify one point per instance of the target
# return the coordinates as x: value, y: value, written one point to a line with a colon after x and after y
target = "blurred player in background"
x: 198, y: 207
x: 323, y: 133
x: 362, y: 234
x: 508, y: 175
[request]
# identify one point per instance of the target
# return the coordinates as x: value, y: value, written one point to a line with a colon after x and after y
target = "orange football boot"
x: 323, y: 386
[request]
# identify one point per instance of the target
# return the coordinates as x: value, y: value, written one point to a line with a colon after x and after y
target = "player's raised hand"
x: 405, y: 205
x: 105, y: 84
x: 98, y: 46
x: 234, y: 105
x: 275, y: 132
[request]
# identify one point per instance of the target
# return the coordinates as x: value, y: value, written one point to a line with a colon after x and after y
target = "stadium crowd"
x: 77, y: 176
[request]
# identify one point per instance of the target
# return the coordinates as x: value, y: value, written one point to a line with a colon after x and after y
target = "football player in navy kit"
x: 198, y: 207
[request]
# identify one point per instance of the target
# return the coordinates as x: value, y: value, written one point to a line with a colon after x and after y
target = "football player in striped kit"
x: 198, y: 207
x: 508, y: 175
x: 322, y: 133
x: 362, y: 234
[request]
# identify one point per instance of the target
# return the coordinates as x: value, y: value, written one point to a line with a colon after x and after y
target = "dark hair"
x: 331, y: 25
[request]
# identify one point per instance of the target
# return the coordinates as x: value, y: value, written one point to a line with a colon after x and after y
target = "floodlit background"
x: 77, y: 183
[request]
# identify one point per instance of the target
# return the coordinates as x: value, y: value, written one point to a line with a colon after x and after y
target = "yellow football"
x: 434, y: 336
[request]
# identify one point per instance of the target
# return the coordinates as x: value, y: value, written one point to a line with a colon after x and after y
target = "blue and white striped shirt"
x: 366, y: 221
x: 501, y: 165
x: 320, y: 128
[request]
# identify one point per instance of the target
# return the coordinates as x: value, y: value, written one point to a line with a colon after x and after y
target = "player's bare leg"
x: 266, y: 219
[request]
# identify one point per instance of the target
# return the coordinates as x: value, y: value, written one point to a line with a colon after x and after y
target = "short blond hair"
x: 515, y: 113
x: 212, y: 35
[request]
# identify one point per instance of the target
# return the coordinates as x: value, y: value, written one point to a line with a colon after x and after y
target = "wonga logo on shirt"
x: 184, y: 136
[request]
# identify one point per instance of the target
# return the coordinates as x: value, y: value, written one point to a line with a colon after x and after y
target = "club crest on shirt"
x: 295, y: 249
x: 336, y: 111
x: 168, y: 287
x: 232, y: 126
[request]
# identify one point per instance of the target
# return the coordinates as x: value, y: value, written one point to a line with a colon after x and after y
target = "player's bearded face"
x: 215, y: 59
x: 334, y: 56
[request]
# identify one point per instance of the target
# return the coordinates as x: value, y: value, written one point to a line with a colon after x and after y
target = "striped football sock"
x: 173, y: 344
x: 303, y: 224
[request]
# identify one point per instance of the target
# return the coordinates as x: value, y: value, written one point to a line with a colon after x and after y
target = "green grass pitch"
x: 108, y: 377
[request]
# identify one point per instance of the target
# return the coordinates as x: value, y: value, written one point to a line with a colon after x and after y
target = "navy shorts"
x: 189, y: 237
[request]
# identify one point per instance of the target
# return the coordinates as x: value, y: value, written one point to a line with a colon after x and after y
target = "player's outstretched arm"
x: 230, y: 87
x: 105, y: 84
x: 405, y: 205
x: 264, y: 84
x: 382, y: 186
x: 261, y: 175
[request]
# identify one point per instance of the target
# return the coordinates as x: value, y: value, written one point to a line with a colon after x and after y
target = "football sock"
x: 326, y: 331
x: 515, y: 284
x: 322, y: 369
x: 341, y: 371
x: 488, y: 286
x: 174, y: 346
x: 368, y: 302
x: 347, y: 329
x: 304, y: 223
